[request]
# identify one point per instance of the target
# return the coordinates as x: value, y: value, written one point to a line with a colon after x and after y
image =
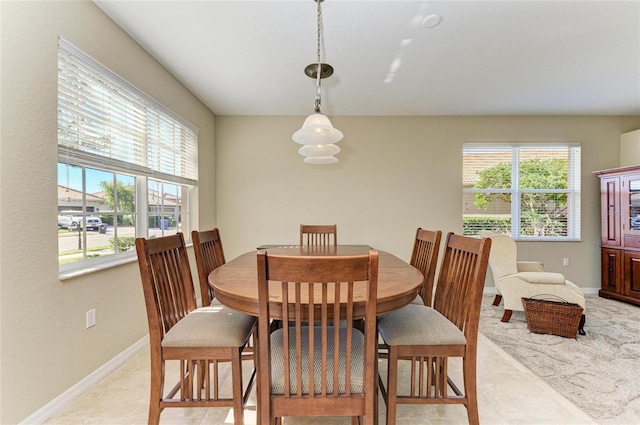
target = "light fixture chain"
x: 319, y: 23
x: 317, y: 103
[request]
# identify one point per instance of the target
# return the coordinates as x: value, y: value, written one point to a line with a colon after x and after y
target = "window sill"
x: 547, y: 239
x: 70, y: 274
x: 96, y: 267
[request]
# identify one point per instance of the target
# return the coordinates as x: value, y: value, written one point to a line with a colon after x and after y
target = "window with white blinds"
x: 127, y: 165
x: 529, y: 190
x: 102, y: 117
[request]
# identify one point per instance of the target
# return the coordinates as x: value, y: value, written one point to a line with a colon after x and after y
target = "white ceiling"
x: 484, y: 58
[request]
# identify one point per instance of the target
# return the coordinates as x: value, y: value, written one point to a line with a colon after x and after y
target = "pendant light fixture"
x: 317, y: 134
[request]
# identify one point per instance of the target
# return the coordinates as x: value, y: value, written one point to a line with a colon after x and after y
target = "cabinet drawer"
x: 632, y: 241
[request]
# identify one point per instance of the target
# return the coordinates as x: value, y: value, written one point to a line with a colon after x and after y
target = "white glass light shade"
x: 321, y: 160
x: 317, y: 130
x: 319, y: 150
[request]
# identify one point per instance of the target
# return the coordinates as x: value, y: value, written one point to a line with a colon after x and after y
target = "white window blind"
x: 104, y: 119
x: 530, y: 190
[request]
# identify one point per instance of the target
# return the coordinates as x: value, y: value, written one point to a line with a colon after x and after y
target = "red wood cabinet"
x: 631, y: 282
x: 620, y: 237
x: 611, y: 269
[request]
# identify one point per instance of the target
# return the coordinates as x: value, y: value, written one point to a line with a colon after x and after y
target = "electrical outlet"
x: 565, y: 262
x: 91, y: 318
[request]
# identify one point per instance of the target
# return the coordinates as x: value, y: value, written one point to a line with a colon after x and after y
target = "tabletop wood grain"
x: 236, y: 283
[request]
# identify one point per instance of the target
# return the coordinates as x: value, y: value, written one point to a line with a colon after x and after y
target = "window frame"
x: 573, y: 189
x: 94, y: 134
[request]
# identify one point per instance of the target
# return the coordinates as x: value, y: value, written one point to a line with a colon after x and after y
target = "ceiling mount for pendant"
x: 311, y: 70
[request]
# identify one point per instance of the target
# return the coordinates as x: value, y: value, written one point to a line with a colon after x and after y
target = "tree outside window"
x: 525, y: 191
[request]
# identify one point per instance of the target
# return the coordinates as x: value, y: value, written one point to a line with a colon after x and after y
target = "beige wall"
x: 630, y: 148
x: 395, y: 174
x: 45, y: 347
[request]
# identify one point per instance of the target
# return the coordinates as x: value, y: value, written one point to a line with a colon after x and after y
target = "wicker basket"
x: 552, y: 316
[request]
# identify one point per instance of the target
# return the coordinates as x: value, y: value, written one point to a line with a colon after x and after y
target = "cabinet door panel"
x: 632, y: 274
x: 610, y: 214
x: 630, y: 203
x: 611, y: 270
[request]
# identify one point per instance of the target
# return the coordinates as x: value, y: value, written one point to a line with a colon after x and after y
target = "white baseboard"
x: 66, y: 398
x: 590, y: 291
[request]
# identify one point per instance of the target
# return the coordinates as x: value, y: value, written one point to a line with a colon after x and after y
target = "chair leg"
x: 392, y: 385
x: 469, y: 372
x: 506, y: 316
x: 263, y: 380
x: 497, y: 299
x: 157, y: 384
x: 256, y: 350
x: 581, y: 325
x: 236, y: 378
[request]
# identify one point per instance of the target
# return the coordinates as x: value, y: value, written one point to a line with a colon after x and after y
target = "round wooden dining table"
x: 235, y: 283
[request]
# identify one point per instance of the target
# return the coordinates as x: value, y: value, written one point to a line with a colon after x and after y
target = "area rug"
x: 598, y: 372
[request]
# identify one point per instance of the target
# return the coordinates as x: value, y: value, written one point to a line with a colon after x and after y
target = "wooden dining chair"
x: 209, y: 254
x: 319, y: 234
x: 198, y: 338
x: 327, y: 369
x: 207, y: 247
x: 424, y: 257
x: 428, y: 337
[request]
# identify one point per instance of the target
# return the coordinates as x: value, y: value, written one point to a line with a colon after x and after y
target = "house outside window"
x: 127, y: 166
x: 528, y: 190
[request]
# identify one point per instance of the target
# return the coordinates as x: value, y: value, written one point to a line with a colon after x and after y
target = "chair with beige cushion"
x: 323, y: 370
x: 515, y: 280
x: 428, y: 336
x: 199, y: 338
x: 424, y: 257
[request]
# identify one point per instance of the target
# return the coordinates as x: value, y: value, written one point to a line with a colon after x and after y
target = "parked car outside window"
x: 64, y: 221
x: 75, y: 221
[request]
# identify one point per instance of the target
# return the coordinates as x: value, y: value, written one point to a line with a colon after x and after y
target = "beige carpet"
x: 599, y: 372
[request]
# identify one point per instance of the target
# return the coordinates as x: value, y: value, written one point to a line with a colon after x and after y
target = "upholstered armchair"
x: 517, y: 279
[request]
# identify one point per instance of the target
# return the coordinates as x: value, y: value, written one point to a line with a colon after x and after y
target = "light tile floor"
x: 508, y: 394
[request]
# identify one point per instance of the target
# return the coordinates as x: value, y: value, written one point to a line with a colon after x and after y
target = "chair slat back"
x: 319, y: 234
x: 424, y: 257
x: 207, y: 247
x: 166, y: 282
x: 461, y: 281
x: 328, y: 283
